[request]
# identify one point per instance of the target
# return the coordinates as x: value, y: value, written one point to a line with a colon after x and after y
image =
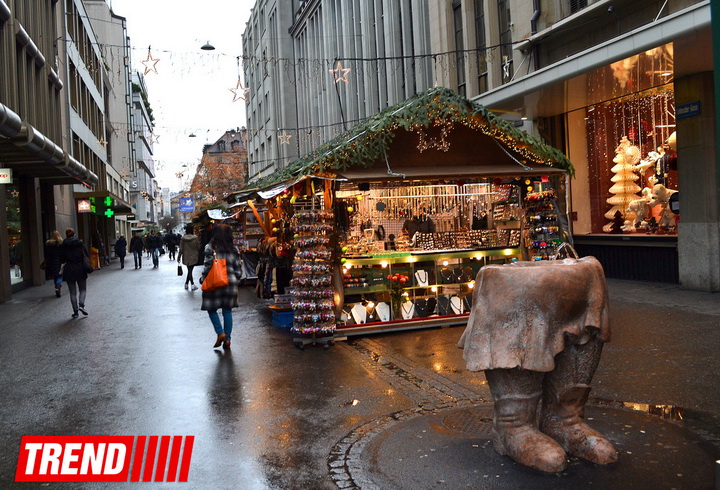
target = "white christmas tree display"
x: 624, y: 189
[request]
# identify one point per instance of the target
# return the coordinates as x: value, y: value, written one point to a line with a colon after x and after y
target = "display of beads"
x: 313, y: 293
x: 317, y: 281
x: 312, y: 300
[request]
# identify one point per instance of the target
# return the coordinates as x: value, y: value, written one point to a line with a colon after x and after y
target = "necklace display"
x: 456, y: 305
x: 359, y: 313
x: 422, y: 278
x: 383, y: 311
x: 408, y: 310
x: 447, y: 276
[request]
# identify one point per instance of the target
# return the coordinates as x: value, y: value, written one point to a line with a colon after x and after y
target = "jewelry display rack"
x: 312, y: 295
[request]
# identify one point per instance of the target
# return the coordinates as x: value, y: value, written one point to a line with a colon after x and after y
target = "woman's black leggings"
x: 189, y: 278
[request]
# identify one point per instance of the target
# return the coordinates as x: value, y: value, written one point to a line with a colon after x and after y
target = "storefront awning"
x: 30, y: 153
x: 686, y: 22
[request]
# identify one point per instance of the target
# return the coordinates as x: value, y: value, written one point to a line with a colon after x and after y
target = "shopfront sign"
x: 187, y: 204
x: 5, y: 176
x: 687, y: 110
x: 84, y: 206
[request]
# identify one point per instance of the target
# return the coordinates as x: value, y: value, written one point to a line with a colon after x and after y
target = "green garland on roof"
x: 369, y: 141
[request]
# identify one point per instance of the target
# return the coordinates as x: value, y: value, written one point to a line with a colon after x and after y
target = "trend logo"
x: 104, y: 458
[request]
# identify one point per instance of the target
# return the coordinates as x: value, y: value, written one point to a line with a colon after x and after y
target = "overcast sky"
x: 190, y: 93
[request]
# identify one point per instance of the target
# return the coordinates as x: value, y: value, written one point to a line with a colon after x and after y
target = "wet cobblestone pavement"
x: 395, y: 410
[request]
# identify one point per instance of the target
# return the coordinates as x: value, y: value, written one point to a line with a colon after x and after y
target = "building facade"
x: 222, y: 170
x: 39, y: 166
x: 142, y: 178
x: 625, y: 89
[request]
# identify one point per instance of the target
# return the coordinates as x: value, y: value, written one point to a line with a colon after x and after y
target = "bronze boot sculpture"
x: 537, y: 330
x: 565, y: 392
x: 517, y: 393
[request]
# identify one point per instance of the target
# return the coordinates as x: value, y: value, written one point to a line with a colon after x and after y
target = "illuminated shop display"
x: 629, y: 133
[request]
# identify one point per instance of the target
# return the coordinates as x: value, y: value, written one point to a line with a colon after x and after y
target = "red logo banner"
x: 104, y: 458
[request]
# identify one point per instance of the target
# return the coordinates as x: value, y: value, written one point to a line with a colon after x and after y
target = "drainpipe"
x: 715, y: 16
x: 533, y: 31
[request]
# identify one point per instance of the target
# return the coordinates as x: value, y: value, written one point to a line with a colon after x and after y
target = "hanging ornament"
x: 102, y: 142
x: 150, y: 63
x: 340, y: 73
x: 284, y: 138
x: 240, y: 92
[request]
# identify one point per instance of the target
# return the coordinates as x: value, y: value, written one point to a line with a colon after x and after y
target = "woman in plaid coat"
x: 223, y: 298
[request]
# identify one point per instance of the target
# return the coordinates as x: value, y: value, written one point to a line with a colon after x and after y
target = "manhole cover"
x: 476, y: 421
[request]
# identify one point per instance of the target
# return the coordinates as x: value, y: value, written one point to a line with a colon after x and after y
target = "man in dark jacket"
x: 121, y: 250
x: 136, y: 247
x: 154, y: 242
x: 74, y: 271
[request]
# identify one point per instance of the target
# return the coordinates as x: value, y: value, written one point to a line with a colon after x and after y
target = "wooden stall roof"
x: 461, y: 136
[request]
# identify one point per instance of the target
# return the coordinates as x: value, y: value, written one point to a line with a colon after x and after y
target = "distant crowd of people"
x: 68, y: 260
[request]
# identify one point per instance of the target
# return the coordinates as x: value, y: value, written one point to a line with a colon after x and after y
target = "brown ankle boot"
x: 562, y: 419
x: 219, y: 341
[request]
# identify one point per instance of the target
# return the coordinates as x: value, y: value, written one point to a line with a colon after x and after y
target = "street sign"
x: 187, y: 204
x: 84, y: 206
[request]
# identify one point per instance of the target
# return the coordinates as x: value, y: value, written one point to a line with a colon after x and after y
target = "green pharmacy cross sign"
x: 103, y: 207
x: 108, y: 203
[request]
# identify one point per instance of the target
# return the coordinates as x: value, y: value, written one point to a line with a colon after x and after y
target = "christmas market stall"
x: 389, y: 223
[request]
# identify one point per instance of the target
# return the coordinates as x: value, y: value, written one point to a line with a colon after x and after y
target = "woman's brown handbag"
x: 217, y: 277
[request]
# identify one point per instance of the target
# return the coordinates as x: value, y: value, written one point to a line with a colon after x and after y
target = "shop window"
x: 505, y: 28
x: 14, y: 231
x: 459, y: 47
x: 481, y: 44
x: 628, y: 129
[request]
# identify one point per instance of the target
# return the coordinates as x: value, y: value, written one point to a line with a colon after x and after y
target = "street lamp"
x: 207, y: 47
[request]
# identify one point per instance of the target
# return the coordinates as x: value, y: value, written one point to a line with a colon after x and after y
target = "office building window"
x: 481, y: 44
x: 460, y: 47
x: 505, y: 28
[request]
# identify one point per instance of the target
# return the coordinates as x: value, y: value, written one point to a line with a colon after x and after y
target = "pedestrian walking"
x: 74, y: 250
x: 189, y: 253
x: 154, y: 242
x: 53, y: 260
x: 136, y: 247
x: 121, y: 250
x: 225, y: 298
x: 171, y: 243
x: 145, y: 247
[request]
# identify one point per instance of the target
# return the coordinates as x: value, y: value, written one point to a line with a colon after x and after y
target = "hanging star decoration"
x: 284, y: 138
x: 150, y: 63
x: 240, y: 92
x: 442, y: 143
x: 340, y: 73
x: 506, y: 67
x: 15, y: 193
x: 102, y: 142
x: 154, y: 139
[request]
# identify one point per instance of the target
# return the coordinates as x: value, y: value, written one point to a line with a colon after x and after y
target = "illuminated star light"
x: 103, y: 143
x: 150, y: 61
x: 340, y: 73
x: 239, y: 88
x: 284, y: 138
